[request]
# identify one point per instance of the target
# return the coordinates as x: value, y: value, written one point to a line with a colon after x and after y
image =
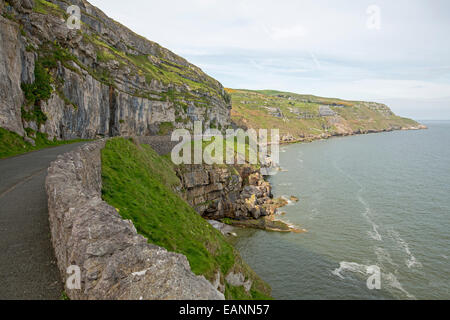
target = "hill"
x: 306, y: 117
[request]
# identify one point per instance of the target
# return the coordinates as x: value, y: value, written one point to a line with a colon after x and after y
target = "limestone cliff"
x: 235, y: 191
x: 100, y: 80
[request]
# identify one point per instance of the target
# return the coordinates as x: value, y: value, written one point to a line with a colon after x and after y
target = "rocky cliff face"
x: 217, y: 192
x: 101, y: 80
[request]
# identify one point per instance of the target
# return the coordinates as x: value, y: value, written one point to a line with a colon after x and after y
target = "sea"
x: 376, y: 209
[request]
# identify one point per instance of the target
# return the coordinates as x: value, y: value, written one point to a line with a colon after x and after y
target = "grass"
x: 233, y: 147
x: 165, y: 128
x: 250, y: 110
x: 193, y: 85
x: 158, y: 68
x: 140, y: 183
x: 45, y: 7
x: 39, y: 90
x: 12, y: 144
x: 42, y: 87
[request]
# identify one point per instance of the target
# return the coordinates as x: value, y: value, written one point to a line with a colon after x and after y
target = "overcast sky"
x: 396, y: 52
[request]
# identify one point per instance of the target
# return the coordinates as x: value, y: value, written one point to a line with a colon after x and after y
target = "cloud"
x: 278, y: 33
x: 311, y: 46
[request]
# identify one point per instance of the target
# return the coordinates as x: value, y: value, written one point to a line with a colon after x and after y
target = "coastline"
x: 325, y: 136
x: 273, y: 222
x: 359, y: 214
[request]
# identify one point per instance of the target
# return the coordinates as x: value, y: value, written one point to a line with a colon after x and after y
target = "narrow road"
x: 27, y: 263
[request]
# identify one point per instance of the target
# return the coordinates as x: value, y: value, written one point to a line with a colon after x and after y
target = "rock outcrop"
x: 115, y: 262
x: 217, y: 192
x: 105, y: 79
x: 12, y: 64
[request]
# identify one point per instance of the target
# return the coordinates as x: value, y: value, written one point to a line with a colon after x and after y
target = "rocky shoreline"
x: 234, y: 195
x: 239, y: 195
x: 289, y: 139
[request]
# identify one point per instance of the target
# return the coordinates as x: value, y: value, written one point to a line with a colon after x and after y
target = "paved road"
x: 27, y: 263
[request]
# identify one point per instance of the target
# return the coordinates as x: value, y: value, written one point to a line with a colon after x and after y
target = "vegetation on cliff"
x: 161, y: 64
x: 310, y: 117
x: 141, y: 185
x: 11, y: 144
x: 99, y: 80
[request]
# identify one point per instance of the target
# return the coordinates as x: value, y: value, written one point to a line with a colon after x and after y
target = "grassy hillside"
x: 140, y: 183
x: 301, y: 116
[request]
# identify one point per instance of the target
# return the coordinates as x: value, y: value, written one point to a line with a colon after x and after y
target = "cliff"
x: 218, y: 192
x: 145, y: 189
x: 236, y: 194
x: 100, y: 80
x: 306, y: 117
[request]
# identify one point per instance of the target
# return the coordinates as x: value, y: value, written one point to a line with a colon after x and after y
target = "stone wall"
x: 161, y: 144
x: 115, y: 262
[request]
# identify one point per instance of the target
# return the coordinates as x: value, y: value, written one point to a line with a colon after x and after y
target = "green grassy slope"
x: 250, y: 110
x: 11, y: 144
x: 140, y: 183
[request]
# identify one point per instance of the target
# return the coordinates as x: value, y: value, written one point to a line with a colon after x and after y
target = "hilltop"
x: 307, y: 117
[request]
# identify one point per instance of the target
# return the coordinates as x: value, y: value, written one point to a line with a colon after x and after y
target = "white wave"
x: 374, y: 234
x: 393, y: 282
x: 411, y: 260
x: 384, y: 256
x: 289, y: 201
x: 349, y: 266
x: 290, y: 224
x: 388, y: 279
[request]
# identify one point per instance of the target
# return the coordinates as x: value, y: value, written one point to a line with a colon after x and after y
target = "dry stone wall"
x: 115, y: 261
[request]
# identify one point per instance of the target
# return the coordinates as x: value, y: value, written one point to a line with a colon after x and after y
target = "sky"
x: 395, y: 52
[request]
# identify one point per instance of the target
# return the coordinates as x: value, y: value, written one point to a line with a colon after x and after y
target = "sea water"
x: 369, y: 200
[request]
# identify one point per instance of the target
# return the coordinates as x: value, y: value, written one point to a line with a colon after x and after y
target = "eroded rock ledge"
x: 237, y: 195
x: 115, y: 262
x: 226, y: 191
